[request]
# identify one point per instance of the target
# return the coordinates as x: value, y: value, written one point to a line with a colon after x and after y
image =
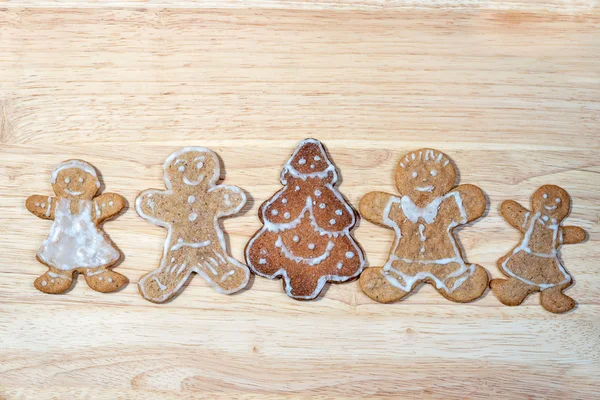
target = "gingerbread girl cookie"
x: 189, y: 209
x: 76, y: 243
x: 534, y: 265
x: 306, y: 234
x: 423, y: 219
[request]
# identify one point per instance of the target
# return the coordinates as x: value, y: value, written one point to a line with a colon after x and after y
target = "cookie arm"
x: 228, y: 200
x: 150, y: 204
x: 572, y: 235
x: 472, y: 201
x: 372, y: 207
x: 107, y: 205
x: 515, y: 214
x: 41, y: 206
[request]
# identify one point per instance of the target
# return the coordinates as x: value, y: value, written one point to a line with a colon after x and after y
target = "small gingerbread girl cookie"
x: 189, y: 209
x: 306, y: 236
x: 423, y: 219
x: 534, y: 265
x: 76, y: 243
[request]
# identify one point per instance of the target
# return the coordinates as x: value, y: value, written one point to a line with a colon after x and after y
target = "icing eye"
x: 557, y: 200
x: 80, y: 180
x: 181, y: 168
x: 545, y: 196
x: 302, y: 161
x: 317, y: 158
x: 414, y: 174
x: 67, y: 180
x: 433, y: 172
x: 200, y: 165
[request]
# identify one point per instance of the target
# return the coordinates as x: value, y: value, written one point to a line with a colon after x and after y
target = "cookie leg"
x: 511, y: 292
x: 54, y: 281
x: 224, y: 273
x: 104, y: 280
x: 555, y: 301
x: 470, y: 289
x: 302, y: 286
x: 163, y: 283
x: 374, y: 284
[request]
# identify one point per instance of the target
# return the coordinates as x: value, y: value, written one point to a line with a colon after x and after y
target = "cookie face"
x: 76, y: 243
x: 189, y: 209
x: 306, y: 234
x: 535, y: 265
x: 423, y: 219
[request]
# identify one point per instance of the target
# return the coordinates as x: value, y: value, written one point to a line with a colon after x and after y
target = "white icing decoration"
x: 284, y: 201
x: 227, y: 200
x: 317, y: 158
x: 80, y: 180
x: 428, y: 188
x: 74, y: 241
x: 349, y: 254
x: 524, y: 246
x: 414, y: 174
x: 160, y: 285
x: 339, y: 212
x: 286, y: 215
x: 317, y: 192
x: 193, y: 217
x: 433, y: 172
x: 97, y: 209
x: 167, y: 249
x: 44, y: 283
x: 308, y: 260
x: 312, y: 166
x: 181, y: 243
x: 109, y: 279
x: 296, y: 239
x: 82, y: 165
x: 192, y: 199
x: 49, y: 206
x: 67, y: 180
x: 262, y: 261
x: 322, y: 205
x: 274, y: 212
x: 332, y: 221
x: 557, y: 200
x: 189, y: 182
x: 181, y: 168
x: 110, y: 203
x: 55, y: 275
x: 37, y: 204
x: 227, y: 275
x: 302, y: 161
x: 428, y: 215
x: 311, y: 246
x: 297, y: 188
x: 340, y: 265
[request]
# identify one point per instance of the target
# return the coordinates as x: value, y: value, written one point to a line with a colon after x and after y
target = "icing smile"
x: 187, y: 181
x: 550, y: 208
x: 424, y: 188
x: 72, y: 193
x: 309, y: 260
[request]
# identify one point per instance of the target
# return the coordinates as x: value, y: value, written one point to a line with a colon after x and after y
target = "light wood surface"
x: 509, y: 89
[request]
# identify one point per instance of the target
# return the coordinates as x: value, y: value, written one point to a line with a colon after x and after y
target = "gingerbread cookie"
x: 76, y: 243
x: 423, y: 218
x: 534, y: 265
x: 189, y: 209
x: 306, y: 234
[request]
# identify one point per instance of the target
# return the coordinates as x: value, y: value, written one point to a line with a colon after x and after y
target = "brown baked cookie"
x: 306, y: 234
x: 189, y: 209
x: 534, y: 265
x: 76, y: 243
x: 423, y: 218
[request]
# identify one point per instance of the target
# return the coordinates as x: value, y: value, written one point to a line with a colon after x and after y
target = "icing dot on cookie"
x: 103, y: 204
x: 312, y: 166
x: 557, y: 200
x: 44, y: 283
x: 414, y: 174
x: 37, y: 204
x: 173, y: 259
x: 545, y: 218
x: 181, y: 168
x: 51, y: 280
x: 297, y: 188
x: 274, y: 212
x: 284, y: 201
x: 109, y: 279
x: 339, y: 265
x: 43, y: 204
x: 262, y: 261
x: 332, y: 221
x: 433, y: 172
x: 545, y: 196
x: 322, y: 205
x: 302, y: 161
x: 349, y: 254
x: 80, y: 180
x: 311, y: 246
x: 317, y: 192
x: 296, y: 239
x: 339, y: 212
x: 193, y: 217
x: 317, y: 158
x: 67, y: 180
x: 110, y: 203
x: 100, y: 278
x: 191, y: 199
x: 180, y: 240
x: 287, y: 215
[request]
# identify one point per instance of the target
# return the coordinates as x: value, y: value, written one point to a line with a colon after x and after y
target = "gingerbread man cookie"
x: 534, y: 265
x: 306, y: 234
x: 189, y: 209
x: 76, y: 243
x: 423, y: 219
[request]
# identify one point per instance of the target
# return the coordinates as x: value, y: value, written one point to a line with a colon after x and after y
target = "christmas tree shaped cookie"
x: 189, y: 209
x: 306, y: 234
x: 76, y: 243
x: 423, y: 218
x: 534, y: 265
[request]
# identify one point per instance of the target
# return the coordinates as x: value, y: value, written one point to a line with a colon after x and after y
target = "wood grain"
x: 509, y: 89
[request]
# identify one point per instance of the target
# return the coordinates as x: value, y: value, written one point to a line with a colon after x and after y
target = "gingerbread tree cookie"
x: 423, y: 218
x: 306, y: 234
x: 76, y: 243
x: 189, y: 209
x: 534, y: 265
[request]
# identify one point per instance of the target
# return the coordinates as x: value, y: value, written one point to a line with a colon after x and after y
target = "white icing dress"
x: 75, y: 241
x: 537, y: 265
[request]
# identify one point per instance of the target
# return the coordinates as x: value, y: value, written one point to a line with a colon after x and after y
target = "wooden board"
x: 510, y: 89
